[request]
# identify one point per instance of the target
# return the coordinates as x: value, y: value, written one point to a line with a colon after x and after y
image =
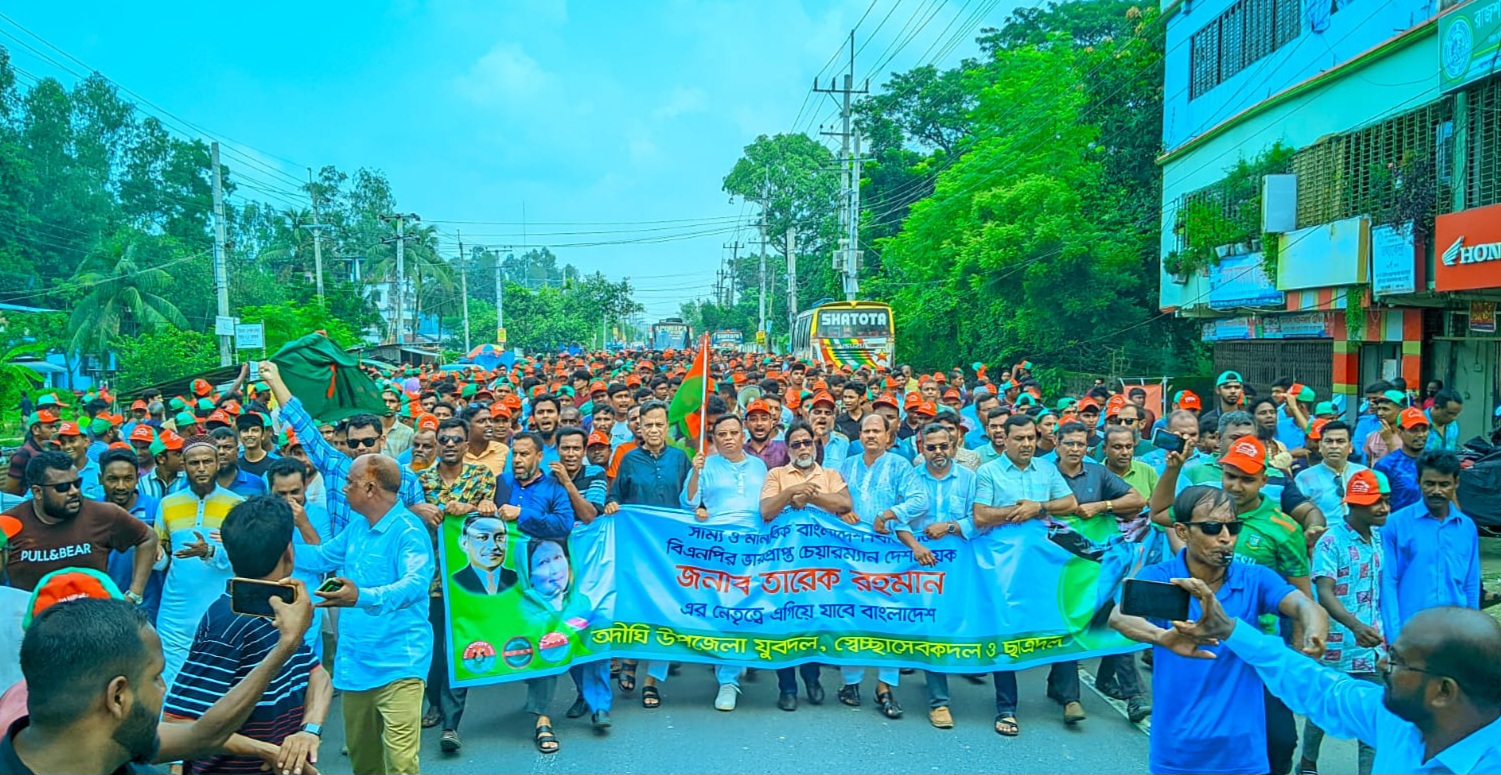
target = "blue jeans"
x: 938, y: 689
x: 887, y: 675
x: 593, y: 682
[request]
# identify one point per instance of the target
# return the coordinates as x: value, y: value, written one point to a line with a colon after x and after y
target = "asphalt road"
x: 686, y: 735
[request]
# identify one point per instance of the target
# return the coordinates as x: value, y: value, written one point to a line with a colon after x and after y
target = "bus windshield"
x: 854, y: 323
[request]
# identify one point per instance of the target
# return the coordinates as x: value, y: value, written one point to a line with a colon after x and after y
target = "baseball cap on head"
x: 1316, y: 429
x: 166, y: 440
x: 824, y: 397
x: 41, y: 417
x: 66, y: 584
x: 1228, y: 376
x: 143, y: 433
x: 598, y: 438
x: 1412, y: 417
x: 758, y: 405
x: 1187, y: 399
x: 1247, y: 454
x: 1325, y: 407
x: 1395, y: 396
x: 1365, y: 487
x: 926, y: 409
x: 69, y: 429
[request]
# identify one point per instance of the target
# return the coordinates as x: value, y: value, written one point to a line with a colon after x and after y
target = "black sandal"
x: 1005, y: 725
x: 650, y: 697
x: 431, y: 718
x: 543, y: 738
x: 578, y: 708
x: 849, y: 694
x: 627, y: 677
x: 889, y: 706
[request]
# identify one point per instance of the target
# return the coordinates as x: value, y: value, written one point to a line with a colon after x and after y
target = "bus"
x: 726, y: 339
x: 670, y: 334
x: 845, y: 333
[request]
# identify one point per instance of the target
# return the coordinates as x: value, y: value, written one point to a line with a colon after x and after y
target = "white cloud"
x: 505, y: 75
x: 682, y: 101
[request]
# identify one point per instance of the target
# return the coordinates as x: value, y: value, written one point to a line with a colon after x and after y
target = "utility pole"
x: 221, y: 271
x: 734, y: 267
x: 791, y: 277
x: 317, y: 229
x: 464, y: 287
x: 401, y: 271
x: 500, y: 301
x: 846, y: 258
x: 766, y: 335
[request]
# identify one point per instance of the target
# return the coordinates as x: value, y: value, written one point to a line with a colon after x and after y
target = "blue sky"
x: 590, y: 113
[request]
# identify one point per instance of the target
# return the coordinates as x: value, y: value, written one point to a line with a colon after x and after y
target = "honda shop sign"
x: 1469, y: 250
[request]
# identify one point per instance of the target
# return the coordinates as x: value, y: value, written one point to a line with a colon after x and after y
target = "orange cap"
x: 144, y: 433
x: 219, y: 415
x: 757, y: 405
x: 1189, y: 400
x: 1248, y: 454
x: 1114, y: 406
x: 69, y: 429
x: 1363, y: 488
x: 427, y: 421
x: 954, y: 394
x: 824, y: 397
x: 598, y: 438
x: 912, y: 400
x: 887, y: 399
x: 138, y: 404
x: 1412, y: 417
x: 926, y: 408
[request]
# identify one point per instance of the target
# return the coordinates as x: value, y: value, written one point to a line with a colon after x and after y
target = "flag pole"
x: 703, y: 404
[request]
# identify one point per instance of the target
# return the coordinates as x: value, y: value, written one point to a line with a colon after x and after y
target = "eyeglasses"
x: 1214, y: 528
x: 1125, y: 420
x: 63, y: 488
x: 357, y: 443
x: 799, y: 444
x: 447, y: 440
x: 1392, y: 662
x: 936, y: 447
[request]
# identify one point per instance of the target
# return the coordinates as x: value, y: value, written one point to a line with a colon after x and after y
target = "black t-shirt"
x: 12, y: 764
x: 259, y: 467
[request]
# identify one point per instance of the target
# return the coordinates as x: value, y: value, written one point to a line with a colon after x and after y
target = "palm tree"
x: 291, y: 250
x: 124, y: 297
x: 431, y: 278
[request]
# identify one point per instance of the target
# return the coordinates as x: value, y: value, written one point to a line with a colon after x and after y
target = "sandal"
x: 627, y: 677
x: 889, y: 706
x: 614, y: 668
x: 1005, y: 725
x: 650, y: 697
x: 849, y: 694
x: 545, y: 740
x: 431, y: 718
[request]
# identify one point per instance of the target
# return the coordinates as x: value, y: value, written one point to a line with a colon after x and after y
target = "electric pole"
x: 765, y: 335
x: 317, y: 229
x: 464, y: 287
x: 734, y: 267
x: 221, y: 271
x: 500, y: 301
x: 401, y: 272
x: 791, y: 277
x: 846, y: 258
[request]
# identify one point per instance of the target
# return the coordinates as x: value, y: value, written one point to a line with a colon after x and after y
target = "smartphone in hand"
x: 1167, y: 440
x: 252, y: 597
x: 1154, y: 600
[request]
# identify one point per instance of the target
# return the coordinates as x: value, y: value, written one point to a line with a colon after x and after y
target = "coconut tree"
x: 124, y: 295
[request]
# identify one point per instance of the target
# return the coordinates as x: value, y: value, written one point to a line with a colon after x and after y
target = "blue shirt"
x: 730, y: 491
x: 976, y: 438
x: 546, y: 511
x: 334, y: 465
x: 122, y: 564
x: 246, y: 484
x: 1365, y: 425
x: 1157, y: 459
x: 1001, y: 483
x: 1401, y: 471
x: 385, y: 636
x: 1448, y: 439
x: 1351, y: 708
x: 648, y: 480
x: 836, y: 451
x: 1217, y: 719
x: 951, y: 498
x: 1427, y: 563
x: 1289, y: 432
x: 888, y: 483
x: 1327, y: 489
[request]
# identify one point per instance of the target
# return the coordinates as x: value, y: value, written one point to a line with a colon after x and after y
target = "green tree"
x: 164, y: 354
x: 124, y: 295
x: 290, y: 320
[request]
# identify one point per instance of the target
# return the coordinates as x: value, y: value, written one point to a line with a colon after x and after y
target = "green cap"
x: 1325, y: 407
x: 206, y: 404
x: 1395, y: 396
x: 1063, y: 403
x: 1306, y: 395
x: 185, y: 420
x: 99, y: 426
x: 1382, y: 482
x: 1228, y: 376
x: 176, y: 405
x: 469, y: 391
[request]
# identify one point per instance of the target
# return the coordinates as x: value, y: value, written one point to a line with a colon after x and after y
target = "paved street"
x: 688, y: 735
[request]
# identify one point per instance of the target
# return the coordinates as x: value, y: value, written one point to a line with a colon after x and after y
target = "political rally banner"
x: 806, y: 588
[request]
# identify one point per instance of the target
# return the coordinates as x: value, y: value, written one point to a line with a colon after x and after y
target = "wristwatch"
x: 313, y: 729
x: 1109, y: 506
x: 133, y: 598
x: 953, y: 528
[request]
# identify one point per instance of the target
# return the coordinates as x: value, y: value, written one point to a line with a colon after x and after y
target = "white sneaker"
x: 729, y: 694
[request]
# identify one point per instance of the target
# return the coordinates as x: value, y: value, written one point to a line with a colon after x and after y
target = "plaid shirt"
x: 334, y: 465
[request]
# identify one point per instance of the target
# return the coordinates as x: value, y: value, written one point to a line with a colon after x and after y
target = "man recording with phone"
x: 236, y: 634
x: 1217, y: 721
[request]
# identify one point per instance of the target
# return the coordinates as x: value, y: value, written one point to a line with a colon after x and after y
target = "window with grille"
x: 1376, y: 169
x: 1239, y: 37
x: 1483, y: 149
x: 1262, y: 362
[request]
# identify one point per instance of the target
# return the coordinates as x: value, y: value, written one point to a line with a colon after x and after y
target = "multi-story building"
x: 1331, y: 176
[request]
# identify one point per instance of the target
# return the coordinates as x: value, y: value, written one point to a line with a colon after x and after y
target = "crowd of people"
x: 1332, y: 572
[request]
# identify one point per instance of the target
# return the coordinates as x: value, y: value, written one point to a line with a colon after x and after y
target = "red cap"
x: 138, y: 404
x: 1088, y: 403
x: 1114, y: 406
x: 219, y: 415
x: 143, y: 433
x: 120, y: 445
x: 757, y: 406
x: 46, y: 416
x: 598, y: 387
x: 231, y: 408
x: 170, y: 439
x: 912, y: 400
x: 824, y: 397
x: 428, y: 421
x: 938, y: 376
x: 926, y: 408
x: 1363, y: 488
x: 1189, y: 400
x: 201, y: 387
x: 1316, y: 429
x: 1412, y: 417
x: 953, y: 393
x: 1248, y: 454
x: 597, y: 438
x: 69, y: 429
x: 887, y: 399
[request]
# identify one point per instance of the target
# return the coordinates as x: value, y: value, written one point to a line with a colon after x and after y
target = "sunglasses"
x: 936, y: 447
x: 1214, y: 528
x: 447, y: 440
x: 357, y: 443
x: 800, y: 444
x: 63, y: 488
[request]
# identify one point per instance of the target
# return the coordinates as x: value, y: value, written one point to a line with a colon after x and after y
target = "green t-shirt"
x: 1273, y: 540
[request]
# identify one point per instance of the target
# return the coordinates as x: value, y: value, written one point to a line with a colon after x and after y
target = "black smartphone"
x: 1154, y: 600
x: 1164, y: 439
x: 330, y: 585
x: 252, y: 597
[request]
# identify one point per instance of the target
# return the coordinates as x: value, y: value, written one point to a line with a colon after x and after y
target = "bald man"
x: 385, y: 640
x: 1438, y: 711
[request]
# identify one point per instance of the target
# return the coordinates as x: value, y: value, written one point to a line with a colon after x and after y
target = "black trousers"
x: 448, y: 701
x: 1281, y: 735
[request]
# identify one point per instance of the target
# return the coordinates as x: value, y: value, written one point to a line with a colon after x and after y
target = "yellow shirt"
x: 782, y: 477
x: 494, y: 457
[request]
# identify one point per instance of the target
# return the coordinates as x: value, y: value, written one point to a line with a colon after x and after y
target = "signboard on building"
x: 1469, y: 40
x: 1325, y: 256
x: 1483, y: 317
x: 1394, y: 263
x: 1469, y: 249
x: 1304, y: 325
x: 1241, y: 281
